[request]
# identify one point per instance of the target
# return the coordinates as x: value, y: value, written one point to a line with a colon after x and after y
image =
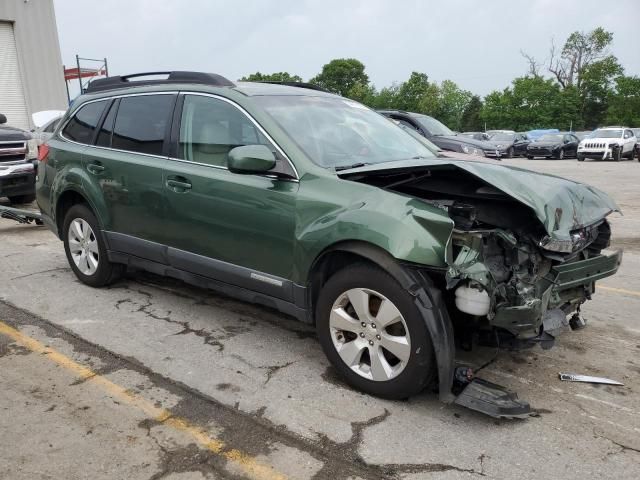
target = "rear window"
x: 141, y: 123
x: 82, y: 125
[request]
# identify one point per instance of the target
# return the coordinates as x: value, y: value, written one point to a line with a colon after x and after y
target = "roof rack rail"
x: 310, y: 86
x: 124, y: 81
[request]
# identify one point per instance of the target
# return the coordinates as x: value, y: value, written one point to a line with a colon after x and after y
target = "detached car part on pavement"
x: 317, y: 206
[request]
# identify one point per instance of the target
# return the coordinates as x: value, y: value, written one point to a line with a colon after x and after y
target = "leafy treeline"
x: 581, y: 86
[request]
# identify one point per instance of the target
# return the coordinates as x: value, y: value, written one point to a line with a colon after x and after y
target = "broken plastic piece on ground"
x: 577, y: 321
x: 493, y: 400
x: 575, y: 377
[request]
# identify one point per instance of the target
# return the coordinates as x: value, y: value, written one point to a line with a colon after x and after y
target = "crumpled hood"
x: 560, y: 204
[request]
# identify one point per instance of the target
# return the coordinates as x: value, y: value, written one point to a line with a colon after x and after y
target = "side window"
x: 141, y: 123
x: 407, y: 124
x: 82, y: 125
x: 210, y: 128
x: 104, y: 136
x: 628, y: 134
x: 52, y: 126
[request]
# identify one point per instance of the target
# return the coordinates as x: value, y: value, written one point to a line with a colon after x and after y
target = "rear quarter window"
x: 82, y: 126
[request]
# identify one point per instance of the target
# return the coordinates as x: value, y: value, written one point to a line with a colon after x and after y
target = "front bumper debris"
x: 493, y: 400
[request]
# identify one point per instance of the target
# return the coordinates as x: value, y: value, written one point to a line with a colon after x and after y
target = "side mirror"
x: 251, y: 159
x: 3, y: 119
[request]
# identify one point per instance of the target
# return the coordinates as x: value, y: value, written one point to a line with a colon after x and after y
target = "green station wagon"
x: 315, y: 205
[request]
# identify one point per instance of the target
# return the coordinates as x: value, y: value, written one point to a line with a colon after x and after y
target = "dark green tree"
x: 341, y: 75
x: 271, y: 77
x: 451, y: 104
x: 598, y: 80
x: 624, y: 103
x: 578, y: 53
x: 470, y: 120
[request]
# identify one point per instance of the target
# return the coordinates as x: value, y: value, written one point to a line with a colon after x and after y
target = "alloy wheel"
x: 370, y: 334
x: 83, y: 246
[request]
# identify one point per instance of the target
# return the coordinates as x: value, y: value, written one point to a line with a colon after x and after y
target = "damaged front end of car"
x: 524, y: 254
x: 512, y: 281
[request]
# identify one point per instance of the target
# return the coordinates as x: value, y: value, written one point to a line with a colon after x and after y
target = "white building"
x: 31, y: 72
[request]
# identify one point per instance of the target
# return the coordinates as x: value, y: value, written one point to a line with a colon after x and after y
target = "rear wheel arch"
x: 66, y: 200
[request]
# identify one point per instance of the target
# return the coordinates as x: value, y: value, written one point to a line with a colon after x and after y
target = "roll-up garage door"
x: 12, y: 101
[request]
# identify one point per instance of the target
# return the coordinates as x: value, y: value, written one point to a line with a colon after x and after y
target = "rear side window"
x: 82, y: 125
x: 141, y: 123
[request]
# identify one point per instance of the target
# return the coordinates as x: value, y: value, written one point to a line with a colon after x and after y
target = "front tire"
x: 510, y: 153
x: 559, y: 155
x: 617, y: 156
x: 86, y: 250
x: 580, y: 158
x: 373, y: 333
x: 530, y: 157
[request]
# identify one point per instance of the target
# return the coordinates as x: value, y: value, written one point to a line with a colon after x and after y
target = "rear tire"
x: 351, y: 341
x: 86, y: 250
x: 530, y: 157
x: 22, y: 199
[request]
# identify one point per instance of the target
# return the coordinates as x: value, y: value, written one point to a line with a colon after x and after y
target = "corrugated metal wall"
x: 38, y: 55
x: 12, y: 102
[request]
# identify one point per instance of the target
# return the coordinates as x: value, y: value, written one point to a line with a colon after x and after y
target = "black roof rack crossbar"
x: 123, y: 81
x: 310, y: 86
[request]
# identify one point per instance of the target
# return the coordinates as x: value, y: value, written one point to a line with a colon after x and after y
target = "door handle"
x: 178, y: 184
x: 95, y: 168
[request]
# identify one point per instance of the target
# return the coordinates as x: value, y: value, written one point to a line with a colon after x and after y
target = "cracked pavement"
x: 258, y: 381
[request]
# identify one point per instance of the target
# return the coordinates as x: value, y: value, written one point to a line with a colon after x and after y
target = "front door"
x: 238, y: 228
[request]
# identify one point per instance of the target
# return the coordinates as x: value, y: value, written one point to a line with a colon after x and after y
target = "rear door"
x: 238, y: 228
x: 125, y: 168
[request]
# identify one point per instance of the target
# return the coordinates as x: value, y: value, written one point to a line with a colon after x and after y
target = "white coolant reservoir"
x: 472, y: 301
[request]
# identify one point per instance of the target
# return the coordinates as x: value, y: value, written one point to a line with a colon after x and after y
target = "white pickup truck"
x: 17, y: 164
x: 608, y: 143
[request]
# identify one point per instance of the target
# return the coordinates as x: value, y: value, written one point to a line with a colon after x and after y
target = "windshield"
x: 338, y: 133
x: 503, y: 137
x: 550, y: 138
x: 433, y: 126
x: 607, y: 134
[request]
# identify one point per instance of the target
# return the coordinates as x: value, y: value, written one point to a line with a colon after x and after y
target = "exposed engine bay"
x: 504, y: 270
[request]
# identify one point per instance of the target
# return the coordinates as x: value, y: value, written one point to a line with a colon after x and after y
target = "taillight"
x: 43, y: 152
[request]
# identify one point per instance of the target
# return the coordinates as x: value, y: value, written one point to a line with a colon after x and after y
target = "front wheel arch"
x: 428, y: 298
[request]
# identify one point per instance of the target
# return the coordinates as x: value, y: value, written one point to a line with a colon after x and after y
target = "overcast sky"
x: 476, y: 44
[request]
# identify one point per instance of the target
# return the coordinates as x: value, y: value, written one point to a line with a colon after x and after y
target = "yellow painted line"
x: 618, y: 290
x: 246, y: 463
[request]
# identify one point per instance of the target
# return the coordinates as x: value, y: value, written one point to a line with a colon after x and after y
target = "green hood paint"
x: 561, y: 205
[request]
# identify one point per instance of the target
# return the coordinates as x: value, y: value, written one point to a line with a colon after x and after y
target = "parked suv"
x: 17, y: 174
x: 608, y: 143
x: 315, y: 205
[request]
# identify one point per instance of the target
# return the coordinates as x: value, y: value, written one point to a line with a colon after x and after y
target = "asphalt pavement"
x: 151, y: 378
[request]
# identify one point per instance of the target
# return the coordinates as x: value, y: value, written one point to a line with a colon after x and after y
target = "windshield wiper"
x: 349, y: 167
